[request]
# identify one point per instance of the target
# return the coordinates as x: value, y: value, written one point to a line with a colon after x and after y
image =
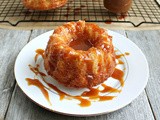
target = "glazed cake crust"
x: 80, y: 68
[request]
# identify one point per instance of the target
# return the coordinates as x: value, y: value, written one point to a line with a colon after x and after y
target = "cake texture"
x: 80, y: 55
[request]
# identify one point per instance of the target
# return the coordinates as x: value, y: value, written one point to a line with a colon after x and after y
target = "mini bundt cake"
x: 43, y: 4
x: 80, y: 55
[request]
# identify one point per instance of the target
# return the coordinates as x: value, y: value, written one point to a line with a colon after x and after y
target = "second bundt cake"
x: 43, y: 4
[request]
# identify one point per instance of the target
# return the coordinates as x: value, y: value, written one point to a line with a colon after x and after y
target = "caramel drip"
x: 105, y: 98
x: 127, y: 53
x: 101, y: 98
x: 92, y: 92
x: 109, y: 89
x: 61, y: 93
x: 36, y: 70
x: 120, y: 62
x: 37, y: 83
x: 118, y: 75
x: 122, y: 55
x: 39, y: 52
x: 119, y: 56
x: 83, y: 102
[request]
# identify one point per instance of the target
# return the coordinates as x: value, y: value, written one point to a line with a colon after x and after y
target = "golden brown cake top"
x: 43, y: 4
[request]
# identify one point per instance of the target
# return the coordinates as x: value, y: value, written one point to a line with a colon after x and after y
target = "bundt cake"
x: 43, y: 4
x: 80, y: 55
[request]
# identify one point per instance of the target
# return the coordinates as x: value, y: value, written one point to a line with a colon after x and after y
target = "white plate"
x: 136, y: 77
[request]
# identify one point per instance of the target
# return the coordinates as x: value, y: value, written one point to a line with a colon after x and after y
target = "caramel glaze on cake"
x: 43, y: 4
x: 80, y: 55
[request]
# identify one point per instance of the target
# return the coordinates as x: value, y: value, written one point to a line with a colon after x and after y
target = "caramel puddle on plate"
x: 87, y: 96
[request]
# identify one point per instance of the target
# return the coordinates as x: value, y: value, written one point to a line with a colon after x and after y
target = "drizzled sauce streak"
x: 83, y: 102
x: 118, y: 75
x: 36, y: 70
x: 122, y: 55
x: 104, y: 98
x: 127, y: 53
x: 91, y: 93
x: 119, y: 56
x: 39, y: 52
x: 120, y: 62
x: 86, y: 97
x: 61, y: 93
x: 109, y: 89
x: 37, y: 83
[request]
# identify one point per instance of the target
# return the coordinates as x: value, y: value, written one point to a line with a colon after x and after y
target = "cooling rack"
x: 142, y: 11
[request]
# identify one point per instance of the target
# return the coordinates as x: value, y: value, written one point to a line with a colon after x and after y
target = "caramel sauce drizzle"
x: 104, y: 98
x: 37, y: 83
x: 86, y: 97
x: 39, y: 52
x: 109, y: 89
x: 61, y: 93
x: 120, y: 62
x: 122, y: 55
x: 36, y: 71
x: 127, y: 53
x: 118, y: 75
x: 83, y: 102
x: 92, y: 92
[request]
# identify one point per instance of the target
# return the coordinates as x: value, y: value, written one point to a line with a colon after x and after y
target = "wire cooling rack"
x: 142, y: 11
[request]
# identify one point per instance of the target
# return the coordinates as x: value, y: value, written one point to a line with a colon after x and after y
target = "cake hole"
x: 80, y: 44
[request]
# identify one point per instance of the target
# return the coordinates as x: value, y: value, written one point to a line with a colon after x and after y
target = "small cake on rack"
x: 43, y: 4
